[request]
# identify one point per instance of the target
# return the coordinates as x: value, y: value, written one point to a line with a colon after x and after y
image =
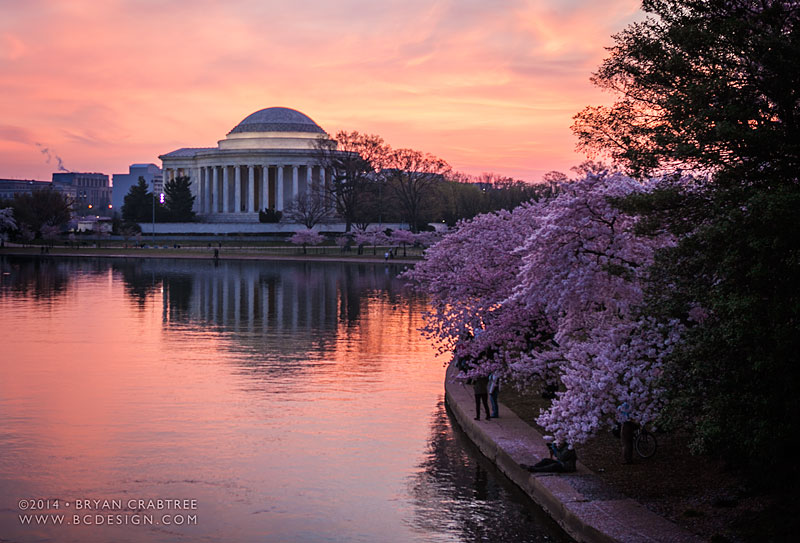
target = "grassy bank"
x: 693, y: 491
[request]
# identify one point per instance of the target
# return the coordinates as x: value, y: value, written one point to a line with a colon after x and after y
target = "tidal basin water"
x: 289, y: 401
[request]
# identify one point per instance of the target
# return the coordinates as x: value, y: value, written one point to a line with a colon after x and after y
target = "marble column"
x: 295, y: 183
x: 265, y: 192
x: 209, y: 191
x: 309, y: 179
x: 215, y: 189
x: 197, y: 190
x: 237, y: 189
x: 279, y: 188
x: 251, y: 189
x: 226, y: 194
x: 197, y: 184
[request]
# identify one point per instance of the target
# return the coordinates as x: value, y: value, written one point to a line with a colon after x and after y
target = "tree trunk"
x: 627, y: 441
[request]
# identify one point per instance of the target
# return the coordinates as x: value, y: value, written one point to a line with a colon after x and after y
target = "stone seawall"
x: 580, y: 502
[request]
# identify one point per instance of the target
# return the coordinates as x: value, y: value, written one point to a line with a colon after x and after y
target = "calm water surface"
x: 292, y: 401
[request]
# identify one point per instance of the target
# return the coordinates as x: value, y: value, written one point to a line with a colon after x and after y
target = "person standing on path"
x: 494, y: 391
x: 480, y: 386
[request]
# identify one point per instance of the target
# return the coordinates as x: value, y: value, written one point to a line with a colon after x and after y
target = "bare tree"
x: 309, y: 208
x: 412, y: 176
x: 354, y: 160
x: 590, y: 166
x: 555, y: 177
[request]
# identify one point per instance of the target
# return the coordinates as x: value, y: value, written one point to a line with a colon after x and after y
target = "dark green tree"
x: 507, y: 193
x: 138, y: 203
x: 270, y: 215
x: 40, y: 208
x: 179, y: 199
x: 713, y: 86
x: 702, y: 84
x: 458, y: 199
x: 734, y: 281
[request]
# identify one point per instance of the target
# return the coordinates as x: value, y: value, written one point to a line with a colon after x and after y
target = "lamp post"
x: 160, y: 201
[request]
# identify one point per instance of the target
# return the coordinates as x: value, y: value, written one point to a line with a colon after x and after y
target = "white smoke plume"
x: 46, y: 152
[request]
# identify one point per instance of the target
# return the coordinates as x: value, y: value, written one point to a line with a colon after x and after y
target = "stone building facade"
x: 92, y: 192
x: 267, y: 161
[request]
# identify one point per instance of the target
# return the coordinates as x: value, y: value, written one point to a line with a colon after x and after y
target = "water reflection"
x: 241, y: 293
x: 279, y: 308
x: 459, y: 492
x: 37, y: 278
x: 294, y: 401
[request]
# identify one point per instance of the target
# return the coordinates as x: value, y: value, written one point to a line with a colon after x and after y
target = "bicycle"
x: 644, y: 442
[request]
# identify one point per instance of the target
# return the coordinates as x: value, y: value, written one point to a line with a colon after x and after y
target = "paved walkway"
x: 580, y: 502
x: 203, y: 253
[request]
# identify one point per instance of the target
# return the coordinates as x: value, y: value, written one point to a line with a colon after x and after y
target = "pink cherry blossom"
x: 306, y: 237
x: 551, y: 293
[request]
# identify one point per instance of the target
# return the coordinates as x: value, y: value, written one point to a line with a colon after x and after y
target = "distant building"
x: 92, y: 192
x: 93, y: 223
x: 266, y: 161
x: 10, y: 187
x: 122, y: 182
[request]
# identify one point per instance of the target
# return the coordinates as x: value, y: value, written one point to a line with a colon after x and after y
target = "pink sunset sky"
x: 489, y: 86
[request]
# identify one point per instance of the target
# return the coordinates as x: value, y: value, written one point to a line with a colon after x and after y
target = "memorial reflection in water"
x: 293, y: 401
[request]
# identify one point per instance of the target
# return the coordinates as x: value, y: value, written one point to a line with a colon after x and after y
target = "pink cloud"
x: 488, y: 86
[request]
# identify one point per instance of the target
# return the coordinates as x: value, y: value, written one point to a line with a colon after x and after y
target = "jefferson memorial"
x: 265, y: 162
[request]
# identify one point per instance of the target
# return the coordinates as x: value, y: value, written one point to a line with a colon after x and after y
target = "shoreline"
x: 586, y: 508
x: 202, y: 254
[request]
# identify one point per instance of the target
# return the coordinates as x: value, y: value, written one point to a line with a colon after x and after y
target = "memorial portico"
x: 267, y: 161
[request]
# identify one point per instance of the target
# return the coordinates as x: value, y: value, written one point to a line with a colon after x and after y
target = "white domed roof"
x: 274, y: 128
x: 277, y: 119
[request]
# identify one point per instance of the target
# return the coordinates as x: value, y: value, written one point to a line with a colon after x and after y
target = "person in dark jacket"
x: 494, y: 392
x: 481, y: 387
x: 562, y: 460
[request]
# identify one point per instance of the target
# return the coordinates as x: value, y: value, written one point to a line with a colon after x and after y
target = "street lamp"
x: 161, y: 201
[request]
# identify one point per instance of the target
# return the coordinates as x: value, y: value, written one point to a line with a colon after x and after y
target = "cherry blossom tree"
x: 404, y: 238
x: 428, y: 238
x: 50, y: 233
x: 371, y: 236
x: 7, y: 222
x: 344, y: 241
x: 551, y: 293
x: 306, y: 237
x: 468, y: 274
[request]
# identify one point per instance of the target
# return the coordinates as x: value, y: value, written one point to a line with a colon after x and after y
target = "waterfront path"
x: 587, y: 509
x: 202, y: 253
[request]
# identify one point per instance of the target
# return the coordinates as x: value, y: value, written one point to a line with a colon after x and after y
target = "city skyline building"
x: 122, y: 182
x: 92, y: 192
x: 10, y: 187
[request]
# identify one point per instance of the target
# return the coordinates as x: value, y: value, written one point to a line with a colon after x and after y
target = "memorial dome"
x: 274, y: 128
x: 277, y: 119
